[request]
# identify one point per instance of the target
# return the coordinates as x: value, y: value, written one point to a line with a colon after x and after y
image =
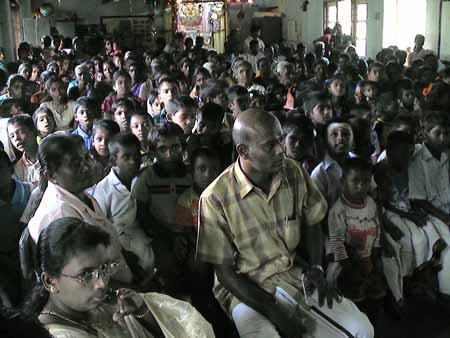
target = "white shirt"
x: 429, y: 178
x: 253, y: 59
x: 327, y: 177
x: 63, y: 118
x: 116, y: 202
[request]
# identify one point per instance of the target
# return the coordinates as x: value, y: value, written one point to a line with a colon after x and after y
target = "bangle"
x: 318, y: 267
x: 142, y: 315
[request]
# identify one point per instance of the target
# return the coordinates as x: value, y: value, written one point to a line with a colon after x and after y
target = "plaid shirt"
x: 259, y: 234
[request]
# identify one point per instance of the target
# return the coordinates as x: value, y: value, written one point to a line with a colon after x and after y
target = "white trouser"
x: 251, y: 324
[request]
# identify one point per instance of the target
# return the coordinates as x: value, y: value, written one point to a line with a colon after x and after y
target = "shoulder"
x: 222, y: 185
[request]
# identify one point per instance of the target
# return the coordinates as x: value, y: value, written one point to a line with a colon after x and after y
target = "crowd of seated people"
x: 109, y: 159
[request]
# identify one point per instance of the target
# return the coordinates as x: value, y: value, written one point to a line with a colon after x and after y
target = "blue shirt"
x: 87, y: 138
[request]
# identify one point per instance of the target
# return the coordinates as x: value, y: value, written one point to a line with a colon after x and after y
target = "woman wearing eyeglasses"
x: 71, y: 298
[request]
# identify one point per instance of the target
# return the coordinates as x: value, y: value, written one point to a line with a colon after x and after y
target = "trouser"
x: 342, y: 320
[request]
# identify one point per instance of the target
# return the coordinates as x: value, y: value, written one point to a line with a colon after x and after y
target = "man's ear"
x: 169, y: 117
x: 242, y: 150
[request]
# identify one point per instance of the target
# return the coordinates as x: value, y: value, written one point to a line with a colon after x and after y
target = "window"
x: 352, y: 15
x: 402, y: 20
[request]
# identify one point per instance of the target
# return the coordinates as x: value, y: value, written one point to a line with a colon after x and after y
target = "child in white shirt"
x: 113, y: 194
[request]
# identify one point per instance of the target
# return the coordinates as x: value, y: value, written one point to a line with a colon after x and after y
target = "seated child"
x: 157, y: 190
x: 122, y: 88
x: 298, y: 137
x: 408, y: 102
x: 14, y: 195
x: 22, y: 134
x: 154, y: 105
x: 238, y: 100
x: 15, y: 86
x: 318, y: 108
x: 102, y: 132
x: 167, y: 91
x: 366, y: 91
x: 337, y: 87
x: 354, y: 230
x: 328, y: 173
x: 121, y: 113
x: 140, y: 124
x: 44, y: 122
x: 85, y: 113
x: 185, y: 113
x: 208, y: 133
x: 60, y: 106
x: 113, y: 195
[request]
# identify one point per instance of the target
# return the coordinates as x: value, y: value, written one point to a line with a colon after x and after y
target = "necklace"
x: 86, y: 326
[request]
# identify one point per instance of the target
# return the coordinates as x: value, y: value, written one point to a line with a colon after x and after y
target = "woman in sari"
x: 72, y: 298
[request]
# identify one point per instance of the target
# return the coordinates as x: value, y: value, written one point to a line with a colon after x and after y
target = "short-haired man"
x: 250, y: 223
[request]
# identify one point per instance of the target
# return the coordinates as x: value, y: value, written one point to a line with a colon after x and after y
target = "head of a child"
x: 243, y: 73
x: 56, y: 90
x: 406, y: 93
x: 399, y: 149
x: 83, y: 75
x: 16, y: 85
x: 102, y: 132
x: 298, y: 137
x: 6, y: 169
x: 339, y: 137
x: 121, y: 83
x: 375, y: 73
x: 369, y: 89
x: 214, y: 91
x: 44, y: 121
x: 165, y: 142
x: 167, y: 90
x: 239, y: 100
x: 356, y: 179
x: 318, y: 108
x: 209, y: 119
x: 25, y: 70
x: 205, y: 167
x: 337, y: 85
x: 22, y: 133
x: 140, y: 125
x: 85, y: 112
x: 125, y: 155
x: 437, y: 131
x: 320, y: 70
x: 11, y: 107
x: 183, y: 114
x: 122, y: 110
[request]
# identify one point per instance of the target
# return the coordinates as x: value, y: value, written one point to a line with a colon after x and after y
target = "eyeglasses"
x: 106, y: 270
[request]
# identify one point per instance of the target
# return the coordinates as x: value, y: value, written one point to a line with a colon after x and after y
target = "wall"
x: 374, y: 27
x: 445, y: 42
x: 6, y: 32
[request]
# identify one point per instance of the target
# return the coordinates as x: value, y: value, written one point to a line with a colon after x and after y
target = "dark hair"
x: 87, y: 102
x: 50, y: 153
x: 356, y: 164
x: 124, y: 102
x: 404, y: 84
x: 23, y: 120
x: 120, y: 73
x: 59, y: 242
x: 398, y: 137
x: 236, y: 91
x: 168, y: 129
x: 109, y: 125
x: 205, y: 152
x: 166, y: 79
x: 122, y: 140
x: 333, y: 121
x: 435, y: 118
x: 15, y: 324
x: 187, y: 102
x: 212, y: 112
x: 376, y: 64
x: 211, y: 89
x: 302, y: 124
x: 13, y: 79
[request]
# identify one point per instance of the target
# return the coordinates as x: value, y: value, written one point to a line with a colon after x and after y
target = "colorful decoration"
x: 190, y: 14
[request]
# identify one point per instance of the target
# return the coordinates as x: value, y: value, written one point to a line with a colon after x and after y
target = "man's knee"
x: 251, y: 324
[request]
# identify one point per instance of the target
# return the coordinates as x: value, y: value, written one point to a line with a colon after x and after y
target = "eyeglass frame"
x: 96, y: 273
